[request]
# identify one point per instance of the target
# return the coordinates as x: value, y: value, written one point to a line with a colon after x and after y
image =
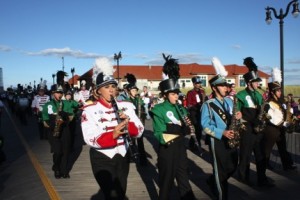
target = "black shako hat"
x: 59, y: 86
x: 251, y: 76
x: 170, y: 75
x: 131, y: 82
x: 169, y: 85
x: 103, y: 73
x: 196, y: 79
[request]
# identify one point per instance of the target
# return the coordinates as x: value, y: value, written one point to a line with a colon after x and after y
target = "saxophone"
x: 236, y: 126
x: 263, y: 117
x: 58, y: 121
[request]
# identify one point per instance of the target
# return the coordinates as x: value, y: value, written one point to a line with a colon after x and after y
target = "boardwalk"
x: 27, y: 172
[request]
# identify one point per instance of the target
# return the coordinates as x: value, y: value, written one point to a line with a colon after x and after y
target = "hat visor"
x: 256, y: 80
x: 113, y: 81
x: 175, y: 90
x: 222, y: 84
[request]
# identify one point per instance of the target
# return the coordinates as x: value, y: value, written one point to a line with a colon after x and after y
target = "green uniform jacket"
x: 70, y: 106
x: 50, y: 110
x: 164, y: 115
x: 249, y: 103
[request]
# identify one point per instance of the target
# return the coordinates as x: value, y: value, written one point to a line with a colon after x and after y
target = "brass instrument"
x: 185, y: 119
x: 289, y: 117
x: 128, y: 141
x: 236, y: 126
x: 263, y: 116
x: 58, y: 121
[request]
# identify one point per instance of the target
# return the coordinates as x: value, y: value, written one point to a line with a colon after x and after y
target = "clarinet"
x: 185, y: 119
x: 128, y: 141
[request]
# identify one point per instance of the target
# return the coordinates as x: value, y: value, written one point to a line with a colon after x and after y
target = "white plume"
x: 83, y: 82
x: 219, y: 68
x: 102, y: 65
x: 164, y: 76
x: 276, y: 75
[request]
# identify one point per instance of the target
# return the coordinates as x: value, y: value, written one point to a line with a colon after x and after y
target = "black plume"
x: 130, y: 78
x: 250, y: 64
x: 171, y: 67
x: 60, y: 75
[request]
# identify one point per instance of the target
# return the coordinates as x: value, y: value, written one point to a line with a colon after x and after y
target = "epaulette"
x: 88, y: 103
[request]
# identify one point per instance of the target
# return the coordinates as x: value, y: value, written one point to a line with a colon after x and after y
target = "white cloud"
x: 236, y: 46
x: 64, y: 52
x: 5, y: 48
x: 294, y: 61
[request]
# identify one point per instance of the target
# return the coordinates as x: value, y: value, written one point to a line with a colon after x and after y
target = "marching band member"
x: 275, y: 129
x: 101, y: 130
x: 83, y: 93
x: 169, y: 130
x: 249, y: 103
x: 140, y: 112
x: 37, y: 104
x: 195, y: 99
x: 55, y: 115
x: 216, y: 116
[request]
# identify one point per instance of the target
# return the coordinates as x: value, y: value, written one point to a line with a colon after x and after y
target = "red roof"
x: 154, y: 72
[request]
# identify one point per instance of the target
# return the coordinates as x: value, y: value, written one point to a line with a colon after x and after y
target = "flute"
x: 131, y: 147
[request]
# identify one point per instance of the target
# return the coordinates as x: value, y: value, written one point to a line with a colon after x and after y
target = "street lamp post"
x: 117, y: 57
x: 72, y: 71
x: 281, y: 16
x: 63, y: 64
x: 53, y: 76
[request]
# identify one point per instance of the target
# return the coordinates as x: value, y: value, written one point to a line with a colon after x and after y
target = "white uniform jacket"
x: 38, y: 102
x: 98, y: 121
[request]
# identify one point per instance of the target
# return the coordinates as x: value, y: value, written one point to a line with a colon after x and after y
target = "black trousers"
x: 225, y: 162
x: 60, y: 147
x: 173, y: 164
x: 274, y: 134
x: 250, y: 141
x: 195, y: 119
x: 286, y: 158
x: 110, y: 174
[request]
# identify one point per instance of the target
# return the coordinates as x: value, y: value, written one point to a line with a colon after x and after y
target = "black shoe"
x: 290, y: 167
x: 57, y: 174
x: 66, y: 176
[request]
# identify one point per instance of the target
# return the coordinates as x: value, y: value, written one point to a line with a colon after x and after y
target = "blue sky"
x: 36, y: 34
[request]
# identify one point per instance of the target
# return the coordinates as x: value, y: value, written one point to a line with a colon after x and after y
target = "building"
x: 151, y: 75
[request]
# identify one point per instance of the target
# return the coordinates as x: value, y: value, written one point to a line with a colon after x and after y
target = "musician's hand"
x: 123, y: 116
x: 118, y: 130
x: 238, y: 115
x: 45, y: 124
x: 228, y: 134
